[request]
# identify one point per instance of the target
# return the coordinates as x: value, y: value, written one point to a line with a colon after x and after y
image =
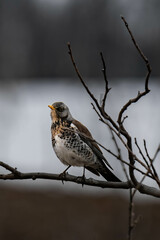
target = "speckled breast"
x: 69, y: 147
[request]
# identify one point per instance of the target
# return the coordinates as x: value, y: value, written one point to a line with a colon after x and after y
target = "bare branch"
x: 141, y: 54
x: 119, y: 129
x: 151, y: 160
x: 155, y: 176
x: 79, y: 180
x: 67, y: 177
x: 102, y: 111
x: 140, y: 94
x: 79, y: 75
x: 156, y: 153
x: 119, y: 136
x: 133, y: 100
x: 141, y: 153
x: 106, y: 81
x: 119, y: 154
x: 154, y: 173
x: 11, y: 169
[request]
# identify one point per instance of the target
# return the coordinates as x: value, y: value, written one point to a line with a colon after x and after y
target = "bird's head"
x: 59, y: 111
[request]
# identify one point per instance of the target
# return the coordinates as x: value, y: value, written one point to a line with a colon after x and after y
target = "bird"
x: 74, y: 145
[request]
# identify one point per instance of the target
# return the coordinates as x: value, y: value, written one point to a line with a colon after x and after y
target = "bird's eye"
x: 60, y: 109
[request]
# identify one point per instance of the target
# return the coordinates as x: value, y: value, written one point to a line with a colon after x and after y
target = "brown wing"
x: 85, y: 131
x: 90, y: 143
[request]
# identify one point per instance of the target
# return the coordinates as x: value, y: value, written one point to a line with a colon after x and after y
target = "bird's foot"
x: 63, y: 174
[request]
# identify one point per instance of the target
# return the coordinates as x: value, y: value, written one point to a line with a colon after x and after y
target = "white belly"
x: 72, y: 156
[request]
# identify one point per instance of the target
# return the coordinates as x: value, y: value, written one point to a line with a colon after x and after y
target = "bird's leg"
x: 83, y: 177
x: 64, y: 172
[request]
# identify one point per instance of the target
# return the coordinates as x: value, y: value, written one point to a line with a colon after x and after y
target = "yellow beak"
x: 51, y: 107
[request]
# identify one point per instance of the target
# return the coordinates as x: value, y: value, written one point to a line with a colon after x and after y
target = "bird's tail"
x: 106, y: 173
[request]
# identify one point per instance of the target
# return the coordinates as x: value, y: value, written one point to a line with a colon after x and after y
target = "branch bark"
x: 17, y: 175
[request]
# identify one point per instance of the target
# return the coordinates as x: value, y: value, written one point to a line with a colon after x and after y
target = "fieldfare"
x: 74, y: 145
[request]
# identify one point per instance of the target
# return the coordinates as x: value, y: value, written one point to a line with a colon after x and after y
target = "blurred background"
x: 36, y: 70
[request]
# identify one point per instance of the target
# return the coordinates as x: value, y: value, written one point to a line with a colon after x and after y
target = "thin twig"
x: 156, y: 153
x: 79, y: 75
x: 118, y: 135
x: 141, y: 153
x: 10, y: 169
x: 106, y: 81
x: 102, y: 111
x: 130, y: 102
x: 154, y: 176
x: 141, y: 54
x: 151, y: 160
x: 140, y: 183
x: 119, y: 154
x: 140, y: 94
